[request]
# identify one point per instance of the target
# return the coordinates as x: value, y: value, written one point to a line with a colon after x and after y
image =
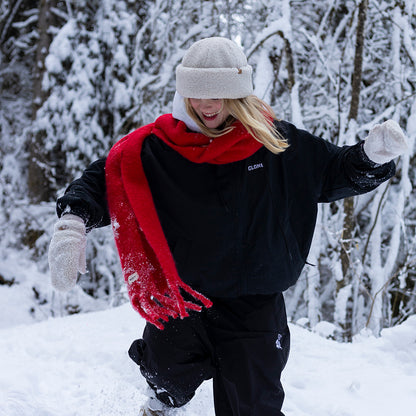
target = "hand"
x: 385, y: 142
x: 67, y: 252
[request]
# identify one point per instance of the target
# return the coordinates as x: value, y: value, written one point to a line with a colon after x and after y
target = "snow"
x: 78, y: 365
x: 262, y: 78
x: 61, y: 46
x: 53, y: 64
x: 371, y: 376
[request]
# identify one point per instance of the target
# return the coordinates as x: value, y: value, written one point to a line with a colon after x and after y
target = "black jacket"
x: 244, y: 227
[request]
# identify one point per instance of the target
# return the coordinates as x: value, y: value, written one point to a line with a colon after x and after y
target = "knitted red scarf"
x: 154, y: 285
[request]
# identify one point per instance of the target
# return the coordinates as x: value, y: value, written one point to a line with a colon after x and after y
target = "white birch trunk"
x: 380, y: 274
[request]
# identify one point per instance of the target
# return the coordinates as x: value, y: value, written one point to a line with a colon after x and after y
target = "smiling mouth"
x: 211, y: 116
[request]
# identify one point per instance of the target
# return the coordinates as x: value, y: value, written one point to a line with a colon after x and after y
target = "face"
x: 212, y: 112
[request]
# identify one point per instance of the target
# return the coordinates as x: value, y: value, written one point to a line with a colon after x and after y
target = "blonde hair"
x: 254, y: 114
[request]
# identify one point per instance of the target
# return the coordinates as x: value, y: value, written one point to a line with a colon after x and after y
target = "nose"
x: 206, y: 104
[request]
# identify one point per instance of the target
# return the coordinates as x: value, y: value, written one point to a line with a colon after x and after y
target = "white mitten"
x: 385, y: 142
x: 67, y: 252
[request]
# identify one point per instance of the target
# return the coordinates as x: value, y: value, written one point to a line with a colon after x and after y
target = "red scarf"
x: 154, y: 285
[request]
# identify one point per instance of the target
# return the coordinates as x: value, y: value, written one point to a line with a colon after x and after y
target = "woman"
x: 213, y: 209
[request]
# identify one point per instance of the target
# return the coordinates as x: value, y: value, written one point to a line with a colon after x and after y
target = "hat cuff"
x: 214, y: 82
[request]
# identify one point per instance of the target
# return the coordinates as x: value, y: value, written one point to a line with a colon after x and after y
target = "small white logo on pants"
x: 278, y: 345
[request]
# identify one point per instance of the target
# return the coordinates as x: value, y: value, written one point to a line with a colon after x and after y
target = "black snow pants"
x: 242, y: 343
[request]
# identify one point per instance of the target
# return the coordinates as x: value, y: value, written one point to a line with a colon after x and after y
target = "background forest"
x: 77, y: 75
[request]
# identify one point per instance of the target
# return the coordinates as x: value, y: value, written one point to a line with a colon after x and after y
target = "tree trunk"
x: 358, y: 61
x: 38, y: 183
x: 349, y: 220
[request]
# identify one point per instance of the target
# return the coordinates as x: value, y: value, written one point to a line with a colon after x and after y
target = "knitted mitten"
x: 385, y: 142
x: 67, y: 252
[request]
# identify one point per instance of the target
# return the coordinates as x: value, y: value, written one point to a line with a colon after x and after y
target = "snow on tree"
x: 107, y: 67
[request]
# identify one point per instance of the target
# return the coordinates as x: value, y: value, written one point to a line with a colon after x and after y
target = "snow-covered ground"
x: 78, y: 366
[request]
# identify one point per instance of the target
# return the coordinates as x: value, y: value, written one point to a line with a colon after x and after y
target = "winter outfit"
x: 221, y: 223
x: 146, y: 259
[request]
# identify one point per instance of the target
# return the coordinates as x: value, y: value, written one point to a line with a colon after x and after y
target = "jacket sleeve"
x: 334, y: 172
x: 86, y: 197
x: 350, y: 172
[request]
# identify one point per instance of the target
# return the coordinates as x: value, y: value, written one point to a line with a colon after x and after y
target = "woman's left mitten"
x: 385, y: 142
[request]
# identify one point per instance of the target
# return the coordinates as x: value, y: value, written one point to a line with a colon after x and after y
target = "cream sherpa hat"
x: 214, y: 68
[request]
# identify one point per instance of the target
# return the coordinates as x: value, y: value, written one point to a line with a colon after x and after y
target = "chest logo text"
x: 254, y: 167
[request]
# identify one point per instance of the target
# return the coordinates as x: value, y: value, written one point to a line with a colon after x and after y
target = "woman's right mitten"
x: 67, y: 252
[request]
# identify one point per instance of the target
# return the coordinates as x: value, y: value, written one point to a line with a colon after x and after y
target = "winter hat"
x: 214, y: 68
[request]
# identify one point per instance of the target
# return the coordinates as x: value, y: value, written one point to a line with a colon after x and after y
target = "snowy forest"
x: 77, y: 75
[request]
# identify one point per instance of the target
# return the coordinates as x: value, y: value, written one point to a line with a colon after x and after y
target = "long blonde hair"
x: 255, y: 115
